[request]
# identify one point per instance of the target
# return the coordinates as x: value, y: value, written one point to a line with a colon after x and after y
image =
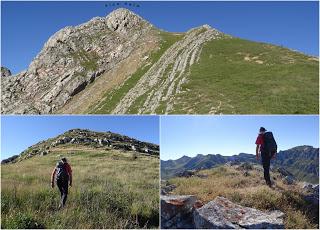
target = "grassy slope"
x: 249, y: 191
x: 110, y: 190
x: 250, y: 78
x: 112, y: 98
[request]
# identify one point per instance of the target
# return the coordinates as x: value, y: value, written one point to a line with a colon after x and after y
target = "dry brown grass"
x: 111, y: 189
x: 250, y: 191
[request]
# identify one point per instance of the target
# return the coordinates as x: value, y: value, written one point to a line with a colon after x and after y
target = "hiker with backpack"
x: 62, y: 174
x: 267, y: 148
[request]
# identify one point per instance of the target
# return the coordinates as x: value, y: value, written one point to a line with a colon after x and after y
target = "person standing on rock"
x: 62, y: 174
x: 267, y: 149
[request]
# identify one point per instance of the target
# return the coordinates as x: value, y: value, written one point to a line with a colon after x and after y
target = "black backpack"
x: 61, y: 173
x: 269, y: 143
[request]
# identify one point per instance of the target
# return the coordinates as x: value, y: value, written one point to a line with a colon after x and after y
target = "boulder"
x: 312, y: 193
x: 5, y: 72
x: 222, y: 213
x: 246, y: 173
x: 283, y: 172
x: 202, y: 176
x: 176, y: 211
x: 186, y: 173
x: 246, y: 166
x: 289, y: 180
x: 43, y: 153
x: 167, y: 189
x: 307, y: 187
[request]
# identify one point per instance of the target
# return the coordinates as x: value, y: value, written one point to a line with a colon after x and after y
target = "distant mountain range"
x: 301, y: 161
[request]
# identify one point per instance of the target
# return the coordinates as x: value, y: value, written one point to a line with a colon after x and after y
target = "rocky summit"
x: 72, y: 59
x: 90, y: 139
x: 122, y: 64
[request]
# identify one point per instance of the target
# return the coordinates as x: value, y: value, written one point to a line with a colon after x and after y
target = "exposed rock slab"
x: 312, y: 193
x: 224, y: 214
x: 163, y: 81
x: 176, y: 211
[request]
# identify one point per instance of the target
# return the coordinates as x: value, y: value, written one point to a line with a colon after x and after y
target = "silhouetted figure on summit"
x: 62, y: 174
x: 267, y: 148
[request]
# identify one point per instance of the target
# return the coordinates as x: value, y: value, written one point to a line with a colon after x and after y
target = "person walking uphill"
x: 267, y: 148
x: 62, y: 174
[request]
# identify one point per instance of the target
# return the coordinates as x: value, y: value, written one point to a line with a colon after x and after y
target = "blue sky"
x: 20, y: 132
x: 229, y: 135
x: 26, y: 26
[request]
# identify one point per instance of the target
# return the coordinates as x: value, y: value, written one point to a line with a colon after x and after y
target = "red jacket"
x: 259, y: 140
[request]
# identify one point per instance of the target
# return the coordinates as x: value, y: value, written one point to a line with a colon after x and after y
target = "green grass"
x: 113, y: 97
x: 272, y: 80
x: 88, y: 60
x: 111, y: 189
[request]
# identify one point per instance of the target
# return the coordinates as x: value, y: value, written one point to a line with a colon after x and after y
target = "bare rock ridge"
x: 72, y: 59
x: 5, y: 72
x: 87, y: 138
x: 60, y: 77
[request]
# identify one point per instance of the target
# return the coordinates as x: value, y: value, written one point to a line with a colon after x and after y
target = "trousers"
x: 266, y: 157
x: 63, y: 188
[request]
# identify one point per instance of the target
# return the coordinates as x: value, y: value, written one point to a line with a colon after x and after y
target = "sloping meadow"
x: 111, y: 189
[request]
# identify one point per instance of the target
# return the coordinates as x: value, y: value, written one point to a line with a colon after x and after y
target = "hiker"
x: 62, y: 173
x: 267, y: 148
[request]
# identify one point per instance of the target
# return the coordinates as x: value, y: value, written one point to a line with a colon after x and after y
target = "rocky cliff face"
x: 64, y: 76
x: 72, y: 59
x: 79, y: 137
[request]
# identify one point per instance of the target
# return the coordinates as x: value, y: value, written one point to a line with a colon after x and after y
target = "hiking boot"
x: 269, y: 184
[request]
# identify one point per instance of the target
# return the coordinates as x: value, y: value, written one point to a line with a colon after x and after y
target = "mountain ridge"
x: 301, y: 161
x: 86, y: 137
x: 122, y: 64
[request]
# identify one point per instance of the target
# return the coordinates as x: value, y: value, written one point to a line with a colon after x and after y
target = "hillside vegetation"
x: 112, y: 97
x: 236, y: 76
x: 111, y: 189
x: 250, y: 190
